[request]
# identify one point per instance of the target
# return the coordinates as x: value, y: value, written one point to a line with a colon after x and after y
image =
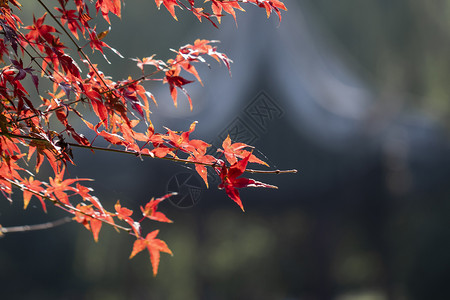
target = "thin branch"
x: 136, y: 80
x: 24, y: 228
x: 145, y: 76
x: 292, y: 171
x: 180, y: 160
x: 67, y: 207
x: 50, y: 110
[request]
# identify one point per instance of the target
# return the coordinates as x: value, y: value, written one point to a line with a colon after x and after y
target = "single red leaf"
x: 236, y: 150
x: 107, y: 6
x: 231, y: 183
x: 227, y: 6
x: 71, y: 17
x: 162, y: 150
x: 177, y: 82
x: 202, y: 159
x: 124, y: 213
x: 150, y: 209
x: 154, y: 247
x: 32, y: 185
x: 39, y: 31
x: 170, y: 5
x: 87, y: 216
x: 159, y: 64
x: 270, y: 5
x: 58, y: 186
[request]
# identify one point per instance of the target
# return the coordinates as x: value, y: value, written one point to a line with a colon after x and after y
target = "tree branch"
x: 68, y: 208
x: 23, y: 228
x: 180, y: 160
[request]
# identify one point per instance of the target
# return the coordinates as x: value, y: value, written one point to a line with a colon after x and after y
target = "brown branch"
x: 293, y: 171
x: 24, y: 228
x: 180, y: 160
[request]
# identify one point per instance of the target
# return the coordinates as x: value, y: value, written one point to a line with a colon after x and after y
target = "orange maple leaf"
x: 170, y: 5
x: 32, y: 185
x: 58, y: 186
x: 236, y: 150
x: 154, y: 247
x: 150, y: 209
x: 124, y: 213
x: 85, y: 216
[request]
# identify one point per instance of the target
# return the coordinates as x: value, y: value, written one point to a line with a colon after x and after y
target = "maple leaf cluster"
x: 220, y: 6
x: 36, y: 52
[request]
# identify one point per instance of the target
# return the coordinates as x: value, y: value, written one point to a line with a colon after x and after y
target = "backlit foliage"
x: 36, y: 53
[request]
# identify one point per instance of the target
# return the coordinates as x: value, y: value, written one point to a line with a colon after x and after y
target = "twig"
x: 293, y: 171
x: 24, y: 228
x: 180, y: 160
x: 51, y: 110
x: 68, y: 208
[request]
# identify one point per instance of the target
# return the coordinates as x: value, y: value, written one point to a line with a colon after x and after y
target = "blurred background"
x: 353, y: 94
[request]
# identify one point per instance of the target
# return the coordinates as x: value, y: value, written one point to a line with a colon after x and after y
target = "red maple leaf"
x: 154, y: 247
x: 170, y: 5
x: 228, y: 6
x: 88, y: 217
x: 150, y: 209
x: 199, y: 13
x: 236, y: 150
x: 183, y: 143
x: 231, y: 183
x: 71, y: 17
x: 201, y: 159
x: 270, y: 5
x: 107, y: 6
x: 96, y: 43
x: 39, y: 31
x: 124, y: 213
x: 58, y: 186
x: 174, y: 82
x: 159, y: 64
x: 35, y: 186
